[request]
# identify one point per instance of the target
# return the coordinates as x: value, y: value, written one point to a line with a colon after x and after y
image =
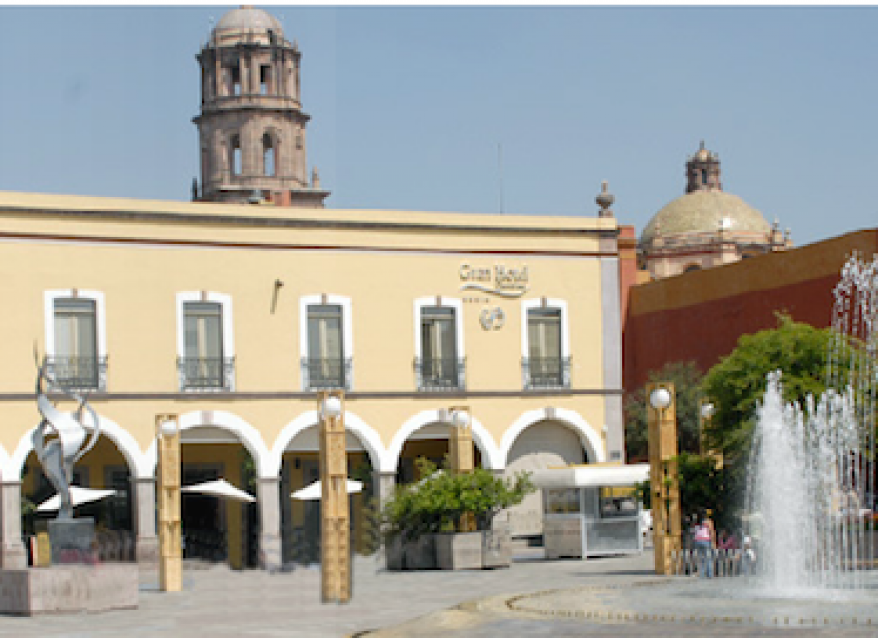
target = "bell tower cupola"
x: 251, y: 127
x: 703, y: 171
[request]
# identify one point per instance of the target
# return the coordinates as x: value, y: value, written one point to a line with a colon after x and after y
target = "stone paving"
x: 532, y: 598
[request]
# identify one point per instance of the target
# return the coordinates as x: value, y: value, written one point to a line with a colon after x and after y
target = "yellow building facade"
x: 234, y: 316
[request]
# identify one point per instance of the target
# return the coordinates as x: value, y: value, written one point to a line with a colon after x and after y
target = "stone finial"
x: 605, y: 199
x: 315, y: 178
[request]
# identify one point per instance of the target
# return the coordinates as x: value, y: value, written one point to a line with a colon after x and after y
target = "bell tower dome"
x: 251, y: 127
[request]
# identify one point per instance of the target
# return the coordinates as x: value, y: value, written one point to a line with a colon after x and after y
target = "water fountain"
x: 812, y: 472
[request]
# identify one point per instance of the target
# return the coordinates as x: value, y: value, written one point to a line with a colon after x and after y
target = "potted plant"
x: 424, y: 519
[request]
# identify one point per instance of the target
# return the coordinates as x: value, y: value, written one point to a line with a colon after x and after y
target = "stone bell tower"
x: 703, y: 171
x: 251, y: 128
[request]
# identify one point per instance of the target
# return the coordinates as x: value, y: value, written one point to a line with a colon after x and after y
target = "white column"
x: 385, y: 485
x: 268, y: 493
x: 147, y: 543
x: 12, y: 552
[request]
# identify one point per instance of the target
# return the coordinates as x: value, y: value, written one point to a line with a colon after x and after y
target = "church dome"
x: 244, y: 23
x: 704, y: 211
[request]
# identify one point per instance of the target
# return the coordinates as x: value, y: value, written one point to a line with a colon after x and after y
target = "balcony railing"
x: 440, y: 375
x: 540, y: 373
x: 206, y: 373
x: 78, y: 373
x: 326, y: 374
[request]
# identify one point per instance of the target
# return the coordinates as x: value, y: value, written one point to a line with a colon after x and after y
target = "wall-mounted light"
x: 707, y: 410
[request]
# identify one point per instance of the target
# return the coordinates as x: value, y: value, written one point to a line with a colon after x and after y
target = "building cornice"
x: 202, y: 219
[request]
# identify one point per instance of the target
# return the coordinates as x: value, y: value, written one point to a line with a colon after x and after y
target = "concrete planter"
x: 394, y: 554
x: 497, y: 548
x: 459, y: 551
x: 420, y: 554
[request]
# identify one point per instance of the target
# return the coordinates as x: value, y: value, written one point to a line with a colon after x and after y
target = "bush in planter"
x: 437, y: 503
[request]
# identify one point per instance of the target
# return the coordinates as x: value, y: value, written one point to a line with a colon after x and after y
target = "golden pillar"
x: 705, y: 414
x: 170, y: 554
x: 664, y: 480
x: 335, y: 534
x: 460, y: 454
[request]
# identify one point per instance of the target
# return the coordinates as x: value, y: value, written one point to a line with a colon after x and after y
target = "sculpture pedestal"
x: 72, y: 541
x: 69, y: 589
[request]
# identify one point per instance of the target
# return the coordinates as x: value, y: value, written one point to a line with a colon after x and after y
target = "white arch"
x: 490, y: 453
x: 590, y: 439
x: 125, y: 443
x: 246, y: 433
x: 367, y: 436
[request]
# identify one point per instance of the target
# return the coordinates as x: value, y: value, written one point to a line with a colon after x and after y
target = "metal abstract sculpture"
x: 58, y: 455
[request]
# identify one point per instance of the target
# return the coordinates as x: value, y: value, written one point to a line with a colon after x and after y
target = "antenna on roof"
x: 500, y: 173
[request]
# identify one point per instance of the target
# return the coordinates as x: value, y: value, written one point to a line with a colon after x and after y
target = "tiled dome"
x: 703, y: 212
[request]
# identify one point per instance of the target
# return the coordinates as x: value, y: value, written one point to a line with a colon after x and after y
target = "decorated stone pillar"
x: 12, y: 551
x: 335, y: 540
x: 664, y: 479
x: 147, y: 543
x: 270, y: 547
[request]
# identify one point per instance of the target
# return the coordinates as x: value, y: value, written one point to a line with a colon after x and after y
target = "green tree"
x: 687, y: 384
x: 736, y: 384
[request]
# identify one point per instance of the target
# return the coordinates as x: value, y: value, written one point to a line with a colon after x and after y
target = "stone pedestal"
x: 72, y: 540
x: 68, y: 589
x: 12, y: 551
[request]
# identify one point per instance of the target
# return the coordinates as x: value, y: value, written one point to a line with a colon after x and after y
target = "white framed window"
x: 439, y: 349
x: 205, y: 343
x: 326, y: 342
x: 545, y: 344
x: 76, y: 338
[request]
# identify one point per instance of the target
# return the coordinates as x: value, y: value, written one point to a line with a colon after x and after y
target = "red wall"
x: 699, y: 316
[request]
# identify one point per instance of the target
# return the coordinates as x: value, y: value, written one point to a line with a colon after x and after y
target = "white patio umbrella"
x: 78, y: 496
x: 314, y: 491
x: 220, y: 488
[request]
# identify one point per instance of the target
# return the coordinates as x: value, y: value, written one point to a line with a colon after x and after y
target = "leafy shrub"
x: 437, y: 503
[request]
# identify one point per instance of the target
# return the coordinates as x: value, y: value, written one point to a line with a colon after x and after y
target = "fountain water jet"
x: 812, y: 467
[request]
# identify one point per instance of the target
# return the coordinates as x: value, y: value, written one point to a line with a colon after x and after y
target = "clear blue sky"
x: 408, y: 106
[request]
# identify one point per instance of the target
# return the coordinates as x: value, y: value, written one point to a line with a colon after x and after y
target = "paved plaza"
x: 617, y: 596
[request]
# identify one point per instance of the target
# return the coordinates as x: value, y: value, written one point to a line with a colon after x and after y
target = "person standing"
x: 705, y: 541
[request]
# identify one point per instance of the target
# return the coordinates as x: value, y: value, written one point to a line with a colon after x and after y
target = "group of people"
x: 706, y: 541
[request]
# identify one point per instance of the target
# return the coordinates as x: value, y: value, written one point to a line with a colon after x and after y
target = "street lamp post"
x: 664, y: 479
x: 705, y: 414
x: 461, y: 454
x: 168, y: 449
x: 335, y: 541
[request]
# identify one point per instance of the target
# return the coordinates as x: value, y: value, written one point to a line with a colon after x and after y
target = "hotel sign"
x: 499, y: 280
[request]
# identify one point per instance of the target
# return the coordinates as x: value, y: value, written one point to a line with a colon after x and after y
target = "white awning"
x: 598, y: 476
x: 220, y: 488
x: 315, y: 491
x: 78, y: 496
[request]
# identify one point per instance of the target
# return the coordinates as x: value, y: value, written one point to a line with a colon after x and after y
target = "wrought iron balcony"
x: 440, y: 375
x: 326, y: 374
x: 78, y: 373
x: 540, y: 373
x: 206, y: 373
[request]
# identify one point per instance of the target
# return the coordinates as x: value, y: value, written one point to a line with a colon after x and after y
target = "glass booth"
x: 591, y: 510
